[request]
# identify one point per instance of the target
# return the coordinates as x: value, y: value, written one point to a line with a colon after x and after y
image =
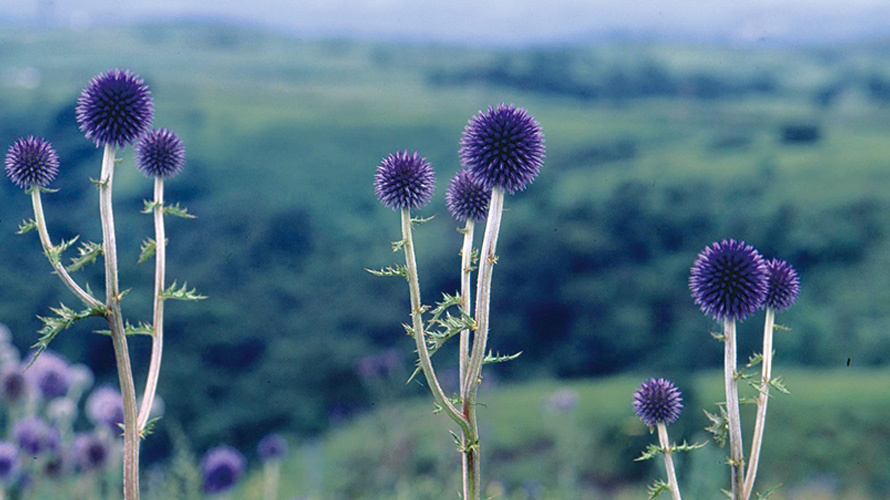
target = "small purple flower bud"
x: 9, y: 462
x: 658, y: 400
x: 729, y: 280
x: 31, y: 161
x: 272, y: 447
x: 91, y: 451
x: 503, y: 147
x: 115, y: 108
x: 466, y: 199
x: 51, y: 374
x: 160, y: 153
x: 221, y: 468
x: 404, y: 180
x: 783, y: 285
x: 105, y: 408
x: 34, y: 436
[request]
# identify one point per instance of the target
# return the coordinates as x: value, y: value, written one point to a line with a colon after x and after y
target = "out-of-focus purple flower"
x: 55, y: 466
x: 81, y: 377
x: 91, y: 451
x: 404, y: 180
x: 31, y: 161
x: 160, y: 153
x: 51, y: 374
x: 658, y: 400
x: 221, y: 468
x: 272, y: 447
x: 61, y: 410
x: 34, y: 436
x: 13, y: 384
x: 729, y: 280
x: 105, y: 408
x: 9, y: 462
x: 466, y: 199
x: 116, y: 107
x: 503, y: 147
x: 563, y: 401
x: 783, y: 285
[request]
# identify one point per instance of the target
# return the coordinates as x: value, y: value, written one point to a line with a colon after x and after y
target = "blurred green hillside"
x: 654, y: 151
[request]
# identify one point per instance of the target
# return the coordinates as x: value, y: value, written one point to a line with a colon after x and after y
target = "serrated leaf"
x: 651, y: 452
x: 149, y: 427
x: 54, y: 253
x: 26, y: 226
x: 52, y: 325
x: 420, y: 220
x: 398, y: 245
x: 754, y: 360
x: 149, y: 206
x: 687, y: 447
x: 778, y: 383
x: 147, y: 250
x: 182, y: 293
x: 781, y: 328
x: 177, y: 211
x: 398, y: 270
x: 657, y: 488
x: 492, y: 358
x: 86, y: 254
x: 768, y: 493
x: 719, y: 427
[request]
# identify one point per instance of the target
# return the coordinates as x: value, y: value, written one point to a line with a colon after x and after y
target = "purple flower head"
x: 272, y: 447
x: 13, y: 384
x: 783, y: 285
x: 9, y: 462
x: 466, y: 199
x: 34, y: 436
x: 503, y: 147
x: 105, y: 408
x: 51, y: 374
x: 31, y: 161
x: 658, y: 400
x: 115, y: 108
x: 729, y: 280
x: 404, y: 180
x: 91, y: 451
x: 221, y: 468
x: 160, y: 153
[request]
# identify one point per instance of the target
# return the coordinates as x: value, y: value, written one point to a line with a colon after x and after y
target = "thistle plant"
x: 222, y: 468
x: 114, y: 110
x: 271, y: 450
x: 658, y: 403
x: 502, y: 150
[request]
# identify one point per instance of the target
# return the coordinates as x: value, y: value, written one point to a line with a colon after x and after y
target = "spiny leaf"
x: 26, y: 226
x: 140, y: 329
x: 421, y: 220
x: 778, y: 384
x: 147, y: 250
x: 719, y: 336
x: 398, y: 270
x: 55, y: 253
x: 754, y: 360
x: 719, y: 427
x: 781, y: 328
x: 177, y: 211
x: 149, y: 206
x: 651, y: 452
x: 86, y: 254
x: 182, y: 293
x: 687, y: 447
x: 64, y: 318
x: 768, y: 493
x: 149, y: 428
x: 657, y: 488
x: 492, y: 358
x: 398, y: 245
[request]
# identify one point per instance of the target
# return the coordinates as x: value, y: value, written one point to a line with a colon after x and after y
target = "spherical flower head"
x: 783, y: 285
x: 13, y: 384
x: 31, y: 161
x: 503, y: 147
x: 466, y: 199
x: 272, y: 447
x: 105, y: 408
x: 115, y: 108
x: 34, y: 436
x: 9, y: 462
x: 160, y: 153
x: 221, y: 468
x: 729, y: 280
x: 91, y: 451
x: 51, y: 374
x: 658, y: 400
x: 404, y: 180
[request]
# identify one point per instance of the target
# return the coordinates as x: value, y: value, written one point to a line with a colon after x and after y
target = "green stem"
x: 40, y: 222
x: 668, y: 460
x: 116, y: 326
x: 417, y: 324
x: 466, y: 272
x: 736, y: 454
x: 470, y: 384
x: 271, y: 475
x: 762, y: 400
x: 157, y: 339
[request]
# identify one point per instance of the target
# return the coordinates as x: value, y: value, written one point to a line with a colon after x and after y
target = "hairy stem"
x: 417, y: 324
x: 40, y: 222
x: 762, y: 400
x: 470, y: 383
x: 668, y: 460
x: 157, y: 339
x: 466, y: 272
x: 116, y: 326
x: 736, y: 454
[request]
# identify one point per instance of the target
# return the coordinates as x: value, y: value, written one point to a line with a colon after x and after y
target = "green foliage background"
x: 654, y: 151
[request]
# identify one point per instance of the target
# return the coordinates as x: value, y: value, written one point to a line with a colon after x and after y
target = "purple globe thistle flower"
x: 404, y: 180
x: 729, y: 280
x: 51, y: 374
x: 90, y: 451
x: 783, y: 285
x: 105, y: 408
x: 13, y: 384
x: 221, y: 468
x: 115, y: 108
x: 34, y: 436
x: 466, y: 199
x: 9, y: 462
x: 658, y: 400
x: 272, y: 447
x: 160, y: 153
x: 31, y: 161
x: 503, y: 147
